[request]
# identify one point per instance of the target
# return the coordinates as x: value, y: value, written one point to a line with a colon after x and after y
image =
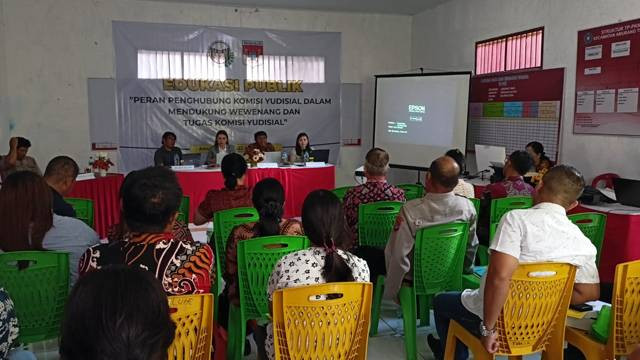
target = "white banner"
x: 196, y: 80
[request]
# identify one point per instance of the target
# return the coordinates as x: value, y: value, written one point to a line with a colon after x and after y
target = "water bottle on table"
x: 284, y: 158
x: 305, y: 157
x: 176, y: 159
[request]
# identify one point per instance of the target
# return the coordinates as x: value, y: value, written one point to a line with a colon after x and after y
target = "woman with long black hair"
x: 326, y: 260
x: 302, y: 151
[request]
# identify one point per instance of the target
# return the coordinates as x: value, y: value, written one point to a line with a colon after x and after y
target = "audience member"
x: 542, y: 233
x: 150, y: 201
x: 117, y: 313
x: 327, y: 260
x: 517, y: 164
x: 28, y: 223
x: 261, y: 143
x: 268, y: 199
x: 302, y: 151
x: 376, y: 166
x: 221, y: 147
x: 234, y: 194
x: 541, y: 163
x: 463, y: 188
x: 61, y: 174
x: 120, y: 232
x: 439, y: 206
x: 168, y: 154
x: 9, y: 331
x: 17, y: 158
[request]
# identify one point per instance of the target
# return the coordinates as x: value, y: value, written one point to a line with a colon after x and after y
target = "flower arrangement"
x: 101, y: 164
x: 254, y: 157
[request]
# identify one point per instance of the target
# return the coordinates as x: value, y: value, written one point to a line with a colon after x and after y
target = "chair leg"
x: 408, y: 304
x: 424, y: 309
x: 376, y: 304
x: 237, y: 332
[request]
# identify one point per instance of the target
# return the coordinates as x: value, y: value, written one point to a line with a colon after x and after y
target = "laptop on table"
x: 320, y: 155
x: 627, y: 191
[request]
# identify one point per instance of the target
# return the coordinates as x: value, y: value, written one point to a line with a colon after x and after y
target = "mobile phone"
x: 581, y: 307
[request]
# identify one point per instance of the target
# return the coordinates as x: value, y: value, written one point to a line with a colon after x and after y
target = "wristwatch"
x: 486, y: 332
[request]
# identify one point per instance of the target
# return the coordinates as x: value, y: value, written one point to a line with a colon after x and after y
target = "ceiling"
x: 402, y: 7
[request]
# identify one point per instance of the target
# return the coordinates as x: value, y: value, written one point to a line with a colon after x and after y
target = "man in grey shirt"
x: 168, y: 154
x: 439, y: 206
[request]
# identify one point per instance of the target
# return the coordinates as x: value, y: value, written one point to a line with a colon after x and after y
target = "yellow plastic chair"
x: 277, y: 147
x: 328, y: 321
x: 193, y: 315
x: 533, y: 317
x: 624, y: 333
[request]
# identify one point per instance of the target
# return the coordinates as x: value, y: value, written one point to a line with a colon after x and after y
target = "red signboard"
x: 608, y: 79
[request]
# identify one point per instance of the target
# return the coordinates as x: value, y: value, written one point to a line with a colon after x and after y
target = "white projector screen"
x: 417, y: 118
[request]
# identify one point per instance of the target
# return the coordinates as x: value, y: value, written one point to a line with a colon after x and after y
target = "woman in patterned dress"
x: 325, y: 261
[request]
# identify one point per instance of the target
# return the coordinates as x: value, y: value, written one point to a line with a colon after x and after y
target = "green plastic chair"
x: 412, y: 191
x: 83, y: 208
x: 476, y: 204
x: 39, y: 291
x: 256, y: 259
x: 438, y: 261
x: 375, y: 224
x: 223, y: 223
x: 501, y: 206
x: 592, y: 225
x: 183, y: 210
x: 340, y: 192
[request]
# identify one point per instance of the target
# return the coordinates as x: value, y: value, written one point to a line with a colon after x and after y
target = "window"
x: 309, y: 69
x: 517, y: 51
x: 178, y: 65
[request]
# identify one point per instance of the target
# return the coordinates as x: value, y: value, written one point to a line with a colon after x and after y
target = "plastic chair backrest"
x: 607, y: 178
x: 536, y: 307
x: 501, y: 206
x: 340, y: 192
x: 83, y: 208
x: 625, y: 327
x: 334, y: 327
x: 39, y: 291
x: 193, y: 316
x: 183, y: 210
x: 375, y: 222
x: 223, y: 223
x: 592, y: 226
x: 256, y: 259
x: 476, y: 204
x: 438, y: 257
x: 412, y: 191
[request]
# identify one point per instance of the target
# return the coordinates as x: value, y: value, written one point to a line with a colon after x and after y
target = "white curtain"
x: 309, y: 69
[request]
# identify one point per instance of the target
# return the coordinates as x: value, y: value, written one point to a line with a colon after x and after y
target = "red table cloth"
x: 104, y: 192
x: 621, y: 240
x: 298, y: 182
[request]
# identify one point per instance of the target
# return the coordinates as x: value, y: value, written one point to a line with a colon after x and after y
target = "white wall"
x: 444, y: 38
x: 53, y: 46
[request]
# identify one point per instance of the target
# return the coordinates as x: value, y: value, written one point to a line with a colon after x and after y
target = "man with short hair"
x: 168, y: 154
x: 150, y: 201
x: 439, y: 206
x: 261, y: 143
x: 17, y: 158
x: 517, y: 164
x: 542, y: 233
x: 60, y: 174
x: 376, y: 167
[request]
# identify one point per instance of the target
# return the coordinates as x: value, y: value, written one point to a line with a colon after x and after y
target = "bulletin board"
x: 514, y: 109
x: 607, y: 80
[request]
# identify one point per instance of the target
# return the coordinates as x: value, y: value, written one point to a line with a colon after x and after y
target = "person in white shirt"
x: 463, y: 188
x: 542, y: 233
